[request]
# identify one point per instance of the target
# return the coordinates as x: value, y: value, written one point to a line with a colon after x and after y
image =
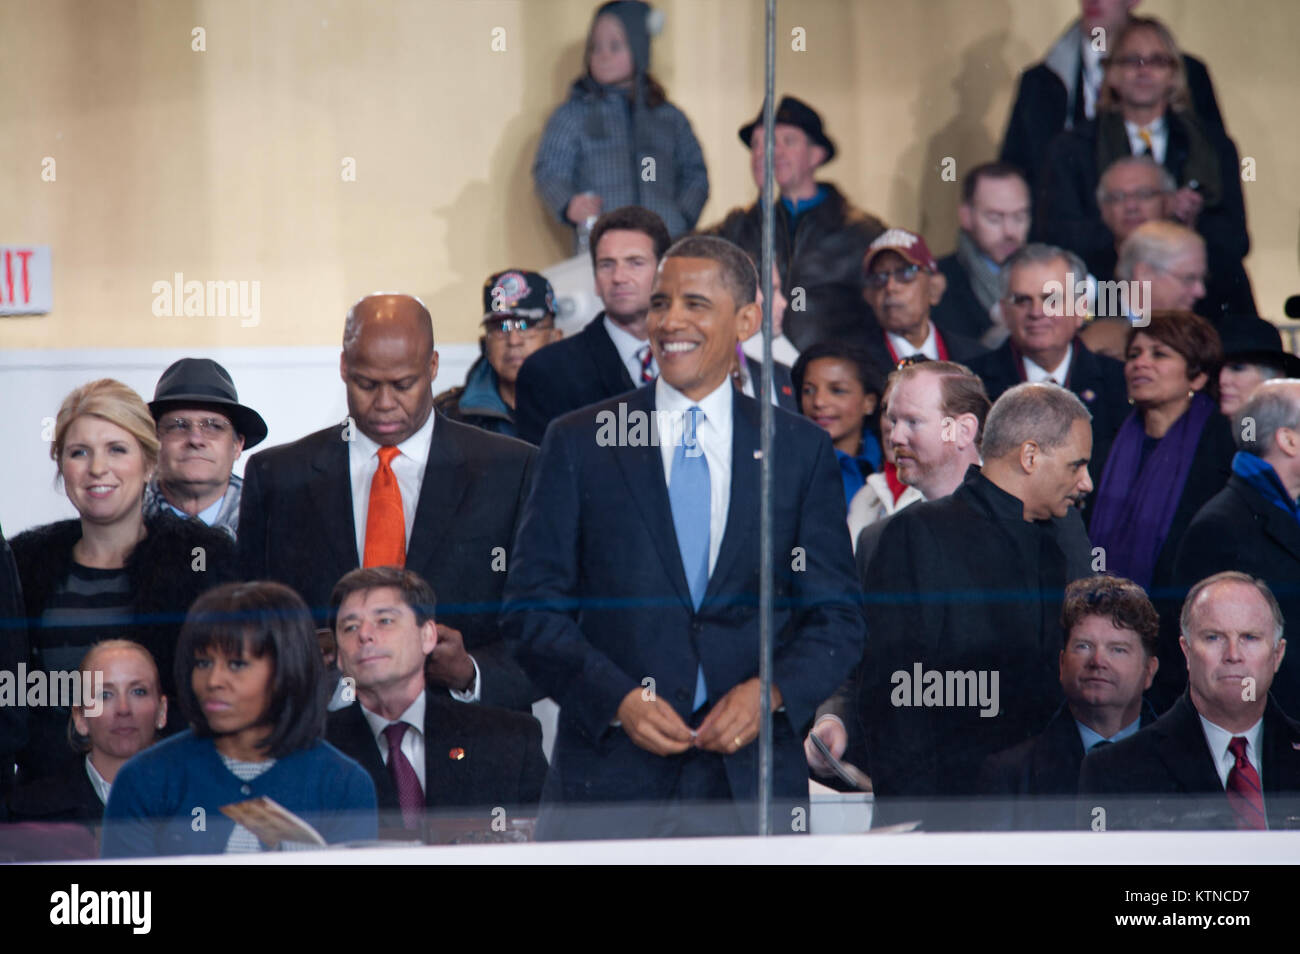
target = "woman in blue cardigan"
x: 249, y: 677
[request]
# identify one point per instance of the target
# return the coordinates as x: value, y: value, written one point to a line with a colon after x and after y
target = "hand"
x: 653, y: 724
x: 733, y: 722
x: 1185, y: 205
x: 449, y: 665
x: 830, y: 731
x: 582, y: 207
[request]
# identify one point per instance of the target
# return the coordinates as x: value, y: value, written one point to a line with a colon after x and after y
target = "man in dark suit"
x: 13, y: 650
x: 1044, y: 343
x: 1062, y: 91
x: 963, y: 603
x: 399, y: 484
x: 611, y: 354
x: 1253, y: 524
x: 1107, y: 662
x: 632, y: 599
x: 901, y: 282
x: 1226, y: 755
x: 994, y: 216
x: 448, y: 756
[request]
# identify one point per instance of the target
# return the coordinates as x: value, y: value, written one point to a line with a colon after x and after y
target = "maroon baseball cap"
x: 907, y: 244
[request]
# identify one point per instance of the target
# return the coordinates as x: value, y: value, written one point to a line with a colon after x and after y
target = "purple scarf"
x: 1136, y: 504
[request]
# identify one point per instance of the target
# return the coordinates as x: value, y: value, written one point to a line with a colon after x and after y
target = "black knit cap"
x: 794, y: 112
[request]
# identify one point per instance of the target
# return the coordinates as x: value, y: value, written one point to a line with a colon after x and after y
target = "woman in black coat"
x: 111, y: 573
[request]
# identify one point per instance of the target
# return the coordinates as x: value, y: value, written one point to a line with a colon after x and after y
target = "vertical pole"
x: 764, y: 395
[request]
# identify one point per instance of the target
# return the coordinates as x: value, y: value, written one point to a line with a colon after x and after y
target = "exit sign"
x: 25, y: 283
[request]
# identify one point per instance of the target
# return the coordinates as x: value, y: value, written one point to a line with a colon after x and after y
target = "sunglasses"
x: 905, y: 276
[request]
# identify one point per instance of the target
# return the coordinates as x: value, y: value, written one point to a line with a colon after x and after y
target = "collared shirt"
x: 408, y: 468
x: 412, y: 739
x: 904, y: 348
x: 1218, y: 738
x: 223, y: 514
x: 1159, y: 133
x: 1093, y: 74
x: 1060, y: 374
x: 101, y: 785
x: 1091, y: 738
x: 714, y: 436
x: 629, y: 347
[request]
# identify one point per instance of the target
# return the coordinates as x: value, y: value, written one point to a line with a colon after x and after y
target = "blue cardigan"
x: 167, y: 799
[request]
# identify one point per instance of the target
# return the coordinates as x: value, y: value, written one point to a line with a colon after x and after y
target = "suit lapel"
x: 610, y: 370
x: 643, y: 470
x: 740, y: 535
x: 1279, y: 527
x: 1184, y: 751
x: 357, y: 741
x: 1281, y: 744
x: 445, y: 481
x: 330, y: 492
x: 446, y: 753
x: 1058, y: 756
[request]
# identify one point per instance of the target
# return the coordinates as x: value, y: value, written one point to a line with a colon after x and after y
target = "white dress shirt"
x: 97, y: 781
x: 904, y: 348
x: 408, y: 468
x: 1060, y: 374
x: 629, y: 349
x: 1159, y: 134
x: 1218, y: 738
x: 412, y: 739
x: 1093, y: 73
x: 714, y: 436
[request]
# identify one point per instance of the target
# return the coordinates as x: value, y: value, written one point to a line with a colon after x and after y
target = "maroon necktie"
x: 410, y: 796
x: 1244, y: 792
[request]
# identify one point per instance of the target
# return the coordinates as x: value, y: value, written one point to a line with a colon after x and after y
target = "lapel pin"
x: 758, y: 455
x: 456, y: 754
x: 787, y: 390
x: 1296, y: 746
x: 1089, y: 395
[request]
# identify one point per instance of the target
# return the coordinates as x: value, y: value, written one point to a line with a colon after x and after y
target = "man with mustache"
x: 973, y: 583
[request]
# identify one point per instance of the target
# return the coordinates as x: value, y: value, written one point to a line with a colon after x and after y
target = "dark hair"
x: 416, y: 593
x: 258, y: 619
x: 871, y: 377
x: 631, y: 218
x: 1121, y: 601
x: 1187, y: 333
x: 738, y: 272
x: 989, y: 170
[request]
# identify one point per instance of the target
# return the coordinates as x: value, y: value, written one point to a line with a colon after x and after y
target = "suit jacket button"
x: 682, y: 695
x: 246, y: 790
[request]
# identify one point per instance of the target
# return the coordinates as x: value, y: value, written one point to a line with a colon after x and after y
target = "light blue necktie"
x: 688, y: 495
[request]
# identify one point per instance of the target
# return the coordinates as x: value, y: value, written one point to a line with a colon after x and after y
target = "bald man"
x: 397, y: 483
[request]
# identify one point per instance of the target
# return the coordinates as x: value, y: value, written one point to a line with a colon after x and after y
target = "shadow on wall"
x: 472, y: 240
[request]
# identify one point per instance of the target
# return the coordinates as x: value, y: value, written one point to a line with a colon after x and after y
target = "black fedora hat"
x: 794, y: 112
x: 201, y: 381
x: 1257, y: 341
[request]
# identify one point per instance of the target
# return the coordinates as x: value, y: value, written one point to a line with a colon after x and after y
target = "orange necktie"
x: 1145, y: 135
x: 385, y: 522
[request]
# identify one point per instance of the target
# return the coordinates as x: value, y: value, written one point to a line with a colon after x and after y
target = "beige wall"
x: 225, y: 164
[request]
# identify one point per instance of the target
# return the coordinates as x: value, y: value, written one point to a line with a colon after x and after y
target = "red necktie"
x: 385, y: 521
x: 1245, y: 794
x: 647, y: 357
x: 410, y: 796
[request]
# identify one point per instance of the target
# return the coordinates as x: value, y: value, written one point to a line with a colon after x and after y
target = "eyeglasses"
x: 905, y: 276
x: 208, y: 427
x: 1160, y: 61
x: 500, y: 327
x: 1139, y: 195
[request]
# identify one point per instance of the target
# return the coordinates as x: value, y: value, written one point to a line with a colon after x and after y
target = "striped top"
x: 89, y: 606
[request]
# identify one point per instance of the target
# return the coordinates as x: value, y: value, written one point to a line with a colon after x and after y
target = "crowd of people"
x: 1032, y: 556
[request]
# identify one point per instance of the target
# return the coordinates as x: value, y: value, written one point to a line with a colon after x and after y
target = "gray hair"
x: 1273, y: 406
x: 1167, y: 181
x: 1040, y: 253
x: 1042, y: 413
x: 1231, y: 576
x: 1155, y: 244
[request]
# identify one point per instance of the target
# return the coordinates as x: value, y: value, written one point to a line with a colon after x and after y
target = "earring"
x: 1190, y: 394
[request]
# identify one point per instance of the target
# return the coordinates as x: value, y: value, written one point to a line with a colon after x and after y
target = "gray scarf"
x: 986, y: 284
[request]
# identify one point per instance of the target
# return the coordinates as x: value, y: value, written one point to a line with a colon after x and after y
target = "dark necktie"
x: 1098, y: 745
x: 646, y: 357
x: 410, y: 796
x: 1245, y: 794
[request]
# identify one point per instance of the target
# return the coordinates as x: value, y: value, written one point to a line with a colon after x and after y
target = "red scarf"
x: 940, y: 347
